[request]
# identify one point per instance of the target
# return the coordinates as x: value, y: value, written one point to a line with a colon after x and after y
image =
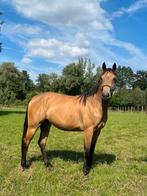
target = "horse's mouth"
x: 106, y: 98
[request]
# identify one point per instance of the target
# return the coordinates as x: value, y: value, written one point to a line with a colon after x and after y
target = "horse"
x: 86, y: 112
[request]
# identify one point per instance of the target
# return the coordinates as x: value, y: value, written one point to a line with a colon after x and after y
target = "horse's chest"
x: 96, y: 118
x: 101, y: 122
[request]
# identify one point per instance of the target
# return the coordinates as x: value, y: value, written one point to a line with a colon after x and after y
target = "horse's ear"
x: 104, y: 66
x: 114, y: 67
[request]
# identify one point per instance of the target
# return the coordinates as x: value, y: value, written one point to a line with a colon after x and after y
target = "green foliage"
x: 138, y: 98
x: 122, y: 97
x: 10, y: 82
x: 78, y: 78
x: 89, y: 78
x: 43, y: 82
x: 14, y: 84
x: 47, y: 82
x: 145, y: 96
x: 72, y: 79
x: 27, y: 82
x: 129, y: 97
x: 140, y: 80
x: 16, y: 87
x: 29, y: 96
x: 7, y: 97
x: 120, y: 161
x: 54, y: 82
x: 125, y: 77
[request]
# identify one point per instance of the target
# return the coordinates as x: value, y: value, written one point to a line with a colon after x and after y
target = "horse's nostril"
x: 106, y: 94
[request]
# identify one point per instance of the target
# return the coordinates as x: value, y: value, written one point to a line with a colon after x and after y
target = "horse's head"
x: 108, y: 81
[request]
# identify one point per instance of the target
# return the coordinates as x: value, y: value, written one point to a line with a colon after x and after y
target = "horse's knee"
x: 42, y: 140
x: 25, y: 142
x: 28, y: 136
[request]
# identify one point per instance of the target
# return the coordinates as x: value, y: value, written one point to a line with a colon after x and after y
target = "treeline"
x: 16, y: 87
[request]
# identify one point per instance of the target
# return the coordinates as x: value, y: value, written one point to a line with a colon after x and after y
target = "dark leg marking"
x: 45, y: 128
x: 24, y: 149
x: 26, y: 139
x: 89, y: 150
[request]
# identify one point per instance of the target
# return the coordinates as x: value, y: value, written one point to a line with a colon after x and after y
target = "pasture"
x: 120, y: 159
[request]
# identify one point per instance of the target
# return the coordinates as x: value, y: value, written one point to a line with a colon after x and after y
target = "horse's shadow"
x: 69, y: 155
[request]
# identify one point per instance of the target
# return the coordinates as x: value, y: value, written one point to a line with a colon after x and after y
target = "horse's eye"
x: 114, y: 80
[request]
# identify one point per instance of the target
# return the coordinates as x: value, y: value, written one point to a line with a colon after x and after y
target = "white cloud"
x: 69, y: 18
x: 20, y: 33
x: 136, y: 6
x: 22, y: 29
x: 140, y: 4
x: 26, y: 60
x: 57, y: 50
x: 78, y: 14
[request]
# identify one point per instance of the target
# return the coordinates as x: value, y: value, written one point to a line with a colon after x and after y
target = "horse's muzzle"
x: 106, y: 96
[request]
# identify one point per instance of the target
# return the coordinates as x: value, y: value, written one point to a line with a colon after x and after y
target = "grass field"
x: 120, y: 160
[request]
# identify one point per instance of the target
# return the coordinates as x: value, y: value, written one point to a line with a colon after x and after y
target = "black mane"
x: 83, y: 97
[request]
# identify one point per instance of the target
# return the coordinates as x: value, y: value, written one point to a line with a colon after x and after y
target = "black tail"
x: 25, y: 123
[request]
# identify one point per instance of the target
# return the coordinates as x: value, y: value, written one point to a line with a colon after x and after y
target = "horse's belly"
x: 65, y: 121
x: 66, y: 126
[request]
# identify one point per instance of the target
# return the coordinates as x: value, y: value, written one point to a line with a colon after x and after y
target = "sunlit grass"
x: 120, y: 160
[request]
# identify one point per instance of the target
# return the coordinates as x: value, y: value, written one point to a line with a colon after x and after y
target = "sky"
x: 44, y: 36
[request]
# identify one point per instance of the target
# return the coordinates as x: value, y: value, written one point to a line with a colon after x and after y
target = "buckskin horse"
x: 86, y: 112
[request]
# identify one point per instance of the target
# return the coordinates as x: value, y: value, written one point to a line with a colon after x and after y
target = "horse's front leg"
x: 90, y: 138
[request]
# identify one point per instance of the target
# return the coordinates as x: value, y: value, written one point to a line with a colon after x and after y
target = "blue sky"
x: 44, y: 36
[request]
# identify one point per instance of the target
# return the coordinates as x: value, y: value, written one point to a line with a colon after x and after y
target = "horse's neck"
x: 101, y: 102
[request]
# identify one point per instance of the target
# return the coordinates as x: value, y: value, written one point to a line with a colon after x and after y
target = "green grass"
x: 120, y: 160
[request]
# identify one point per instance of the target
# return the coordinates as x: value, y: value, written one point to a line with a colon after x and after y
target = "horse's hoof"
x: 49, y: 166
x: 23, y: 167
x: 86, y: 170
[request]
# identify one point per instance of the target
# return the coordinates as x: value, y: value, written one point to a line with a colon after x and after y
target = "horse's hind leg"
x: 26, y: 139
x: 45, y: 128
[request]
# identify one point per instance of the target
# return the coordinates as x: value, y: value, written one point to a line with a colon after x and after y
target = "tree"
x: 77, y: 77
x: 27, y: 82
x: 72, y: 79
x: 11, y: 83
x: 48, y: 82
x: 140, y: 80
x: 54, y: 83
x: 138, y: 97
x: 43, y: 82
x: 89, y: 78
x: 145, y: 98
x: 125, y: 77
